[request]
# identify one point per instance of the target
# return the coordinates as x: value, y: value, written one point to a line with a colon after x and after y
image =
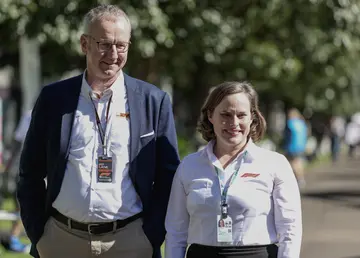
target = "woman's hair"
x: 258, y: 125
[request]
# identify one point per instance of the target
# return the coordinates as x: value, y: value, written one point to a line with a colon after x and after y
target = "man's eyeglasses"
x: 104, y: 46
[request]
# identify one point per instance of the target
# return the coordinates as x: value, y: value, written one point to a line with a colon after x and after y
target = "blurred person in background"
x: 106, y: 144
x: 295, y: 140
x: 14, y: 243
x: 352, y: 135
x: 233, y: 198
x: 319, y: 128
x: 337, y: 132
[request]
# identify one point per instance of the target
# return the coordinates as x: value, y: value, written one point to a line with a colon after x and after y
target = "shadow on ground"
x: 344, y: 197
x: 340, y: 173
x: 343, y: 176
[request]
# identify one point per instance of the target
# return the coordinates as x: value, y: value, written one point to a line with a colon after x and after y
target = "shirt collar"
x: 250, y: 148
x: 116, y: 89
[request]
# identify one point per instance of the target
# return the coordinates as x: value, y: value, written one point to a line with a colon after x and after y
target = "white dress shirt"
x: 82, y: 197
x: 263, y: 202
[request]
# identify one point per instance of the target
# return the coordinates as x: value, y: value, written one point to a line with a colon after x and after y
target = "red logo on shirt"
x: 250, y: 175
x: 126, y: 115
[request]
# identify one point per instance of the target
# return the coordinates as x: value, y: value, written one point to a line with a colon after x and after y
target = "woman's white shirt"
x: 263, y: 202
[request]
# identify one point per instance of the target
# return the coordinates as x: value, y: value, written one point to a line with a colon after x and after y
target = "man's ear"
x: 84, y: 44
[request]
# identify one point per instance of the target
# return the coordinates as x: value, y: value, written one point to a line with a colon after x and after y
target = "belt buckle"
x: 89, y: 228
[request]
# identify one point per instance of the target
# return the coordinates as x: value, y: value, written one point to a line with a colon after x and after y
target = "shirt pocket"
x: 119, y: 135
x: 199, y: 193
x: 83, y: 132
x: 120, y: 129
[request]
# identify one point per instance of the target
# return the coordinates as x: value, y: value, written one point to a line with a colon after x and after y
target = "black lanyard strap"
x: 102, y: 131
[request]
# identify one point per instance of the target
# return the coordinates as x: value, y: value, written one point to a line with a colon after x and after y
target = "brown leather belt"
x: 93, y: 228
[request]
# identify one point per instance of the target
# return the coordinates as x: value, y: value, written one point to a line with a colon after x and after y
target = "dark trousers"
x: 261, y: 251
x: 335, y: 147
x: 351, y: 152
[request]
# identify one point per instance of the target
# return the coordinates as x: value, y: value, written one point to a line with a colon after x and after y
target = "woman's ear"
x: 209, y: 115
x: 252, y: 117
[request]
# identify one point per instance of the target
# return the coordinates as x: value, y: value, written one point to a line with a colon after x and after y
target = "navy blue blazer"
x: 153, y: 159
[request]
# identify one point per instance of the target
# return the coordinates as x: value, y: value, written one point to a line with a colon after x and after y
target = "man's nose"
x: 113, y: 52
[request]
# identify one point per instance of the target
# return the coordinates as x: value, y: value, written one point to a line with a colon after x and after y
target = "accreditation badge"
x: 105, y: 172
x: 224, y: 229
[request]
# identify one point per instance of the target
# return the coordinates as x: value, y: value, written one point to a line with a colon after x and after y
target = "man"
x: 106, y: 144
x: 337, y: 132
x: 352, y: 135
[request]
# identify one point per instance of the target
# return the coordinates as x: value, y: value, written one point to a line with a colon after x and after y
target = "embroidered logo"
x: 253, y: 175
x: 126, y: 115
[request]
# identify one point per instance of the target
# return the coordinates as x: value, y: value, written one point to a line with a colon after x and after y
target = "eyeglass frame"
x: 107, y: 42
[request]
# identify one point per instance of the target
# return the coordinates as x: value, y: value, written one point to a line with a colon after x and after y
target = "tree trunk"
x: 198, y: 93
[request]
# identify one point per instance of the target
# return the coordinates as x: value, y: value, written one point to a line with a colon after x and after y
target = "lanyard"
x: 225, y: 188
x: 102, y: 131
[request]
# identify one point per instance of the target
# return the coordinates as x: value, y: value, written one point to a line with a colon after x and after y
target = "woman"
x: 233, y: 198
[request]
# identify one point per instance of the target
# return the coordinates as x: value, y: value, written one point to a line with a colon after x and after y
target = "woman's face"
x: 231, y: 120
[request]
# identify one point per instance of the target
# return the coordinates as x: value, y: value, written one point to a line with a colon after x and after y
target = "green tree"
x: 302, y: 52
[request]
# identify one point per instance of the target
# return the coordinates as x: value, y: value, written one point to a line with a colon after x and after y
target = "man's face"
x: 104, y: 47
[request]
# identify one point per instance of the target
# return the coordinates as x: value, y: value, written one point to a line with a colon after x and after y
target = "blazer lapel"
x: 135, y: 103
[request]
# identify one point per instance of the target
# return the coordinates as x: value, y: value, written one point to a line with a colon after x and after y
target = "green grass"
x: 6, y: 226
x: 5, y: 254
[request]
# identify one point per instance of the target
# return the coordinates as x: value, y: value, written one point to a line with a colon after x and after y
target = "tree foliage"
x: 303, y: 52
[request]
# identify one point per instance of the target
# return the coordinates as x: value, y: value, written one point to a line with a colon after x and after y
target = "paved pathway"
x: 331, y: 211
